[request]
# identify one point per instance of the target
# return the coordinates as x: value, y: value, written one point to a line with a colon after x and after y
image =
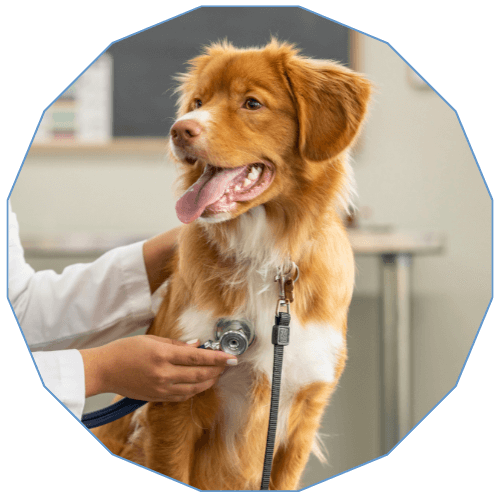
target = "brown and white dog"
x: 263, y: 137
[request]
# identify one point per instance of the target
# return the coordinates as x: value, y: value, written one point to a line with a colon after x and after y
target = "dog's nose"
x: 185, y: 132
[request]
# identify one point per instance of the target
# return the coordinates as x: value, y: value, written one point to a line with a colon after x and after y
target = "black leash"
x: 281, y: 338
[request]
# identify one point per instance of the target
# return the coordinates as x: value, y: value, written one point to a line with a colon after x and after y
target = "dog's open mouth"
x: 218, y: 189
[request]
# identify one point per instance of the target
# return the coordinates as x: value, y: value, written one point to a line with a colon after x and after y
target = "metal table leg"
x: 395, y: 347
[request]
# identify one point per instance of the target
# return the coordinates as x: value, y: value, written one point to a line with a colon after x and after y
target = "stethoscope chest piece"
x: 233, y: 336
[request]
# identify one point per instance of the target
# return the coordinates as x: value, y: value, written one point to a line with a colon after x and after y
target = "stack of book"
x: 83, y: 113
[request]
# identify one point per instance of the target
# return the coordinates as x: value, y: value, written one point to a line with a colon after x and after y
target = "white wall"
x: 414, y: 171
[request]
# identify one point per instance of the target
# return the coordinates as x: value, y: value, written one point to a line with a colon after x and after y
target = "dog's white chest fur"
x: 311, y: 355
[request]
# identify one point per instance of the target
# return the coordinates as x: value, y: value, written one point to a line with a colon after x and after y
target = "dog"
x: 263, y: 138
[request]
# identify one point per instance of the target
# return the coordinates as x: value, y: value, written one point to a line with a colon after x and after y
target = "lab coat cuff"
x: 63, y: 375
x: 73, y: 377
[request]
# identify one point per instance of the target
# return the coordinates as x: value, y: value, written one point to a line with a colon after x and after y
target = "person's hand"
x: 157, y: 252
x: 151, y: 368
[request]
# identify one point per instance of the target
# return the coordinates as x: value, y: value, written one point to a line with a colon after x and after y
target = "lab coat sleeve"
x: 62, y: 373
x: 85, y: 306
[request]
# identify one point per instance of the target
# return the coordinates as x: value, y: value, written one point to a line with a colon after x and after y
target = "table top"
x: 396, y: 242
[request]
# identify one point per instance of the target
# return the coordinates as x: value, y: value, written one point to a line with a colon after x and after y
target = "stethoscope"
x: 233, y: 336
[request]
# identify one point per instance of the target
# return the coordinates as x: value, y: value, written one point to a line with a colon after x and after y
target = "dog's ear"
x: 331, y: 103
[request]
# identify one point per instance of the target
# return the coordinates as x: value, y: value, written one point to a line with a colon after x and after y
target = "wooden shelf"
x: 118, y: 145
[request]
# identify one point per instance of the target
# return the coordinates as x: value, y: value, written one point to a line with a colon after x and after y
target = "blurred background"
x: 97, y: 176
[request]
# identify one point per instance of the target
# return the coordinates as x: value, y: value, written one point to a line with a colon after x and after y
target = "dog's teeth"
x: 247, y: 182
x: 253, y: 174
x: 237, y: 187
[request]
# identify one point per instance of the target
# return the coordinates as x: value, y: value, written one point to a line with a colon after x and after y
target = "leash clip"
x: 285, y: 284
x: 282, y: 303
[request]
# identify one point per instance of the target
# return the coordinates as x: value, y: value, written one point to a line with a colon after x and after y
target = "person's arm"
x: 147, y: 368
x: 157, y: 252
x: 87, y: 304
x: 151, y: 368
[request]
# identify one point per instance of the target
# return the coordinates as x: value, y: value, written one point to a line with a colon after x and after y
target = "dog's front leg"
x: 291, y: 457
x: 174, y: 431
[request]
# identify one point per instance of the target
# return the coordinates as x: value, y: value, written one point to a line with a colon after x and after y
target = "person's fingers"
x: 200, y: 357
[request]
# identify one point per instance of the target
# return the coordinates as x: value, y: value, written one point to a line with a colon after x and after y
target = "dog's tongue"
x: 205, y: 191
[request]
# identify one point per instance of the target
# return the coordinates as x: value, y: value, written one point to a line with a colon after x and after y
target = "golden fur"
x: 313, y: 111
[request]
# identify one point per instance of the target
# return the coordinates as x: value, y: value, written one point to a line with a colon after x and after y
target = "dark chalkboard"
x: 145, y: 63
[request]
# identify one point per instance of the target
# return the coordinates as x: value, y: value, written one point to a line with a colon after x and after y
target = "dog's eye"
x: 252, y: 104
x: 197, y: 103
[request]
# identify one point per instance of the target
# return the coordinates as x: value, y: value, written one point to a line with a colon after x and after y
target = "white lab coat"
x: 85, y: 306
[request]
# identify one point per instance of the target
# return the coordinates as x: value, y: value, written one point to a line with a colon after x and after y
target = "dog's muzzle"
x: 233, y: 336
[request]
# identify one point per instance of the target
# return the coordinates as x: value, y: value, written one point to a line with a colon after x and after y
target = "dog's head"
x: 255, y: 125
